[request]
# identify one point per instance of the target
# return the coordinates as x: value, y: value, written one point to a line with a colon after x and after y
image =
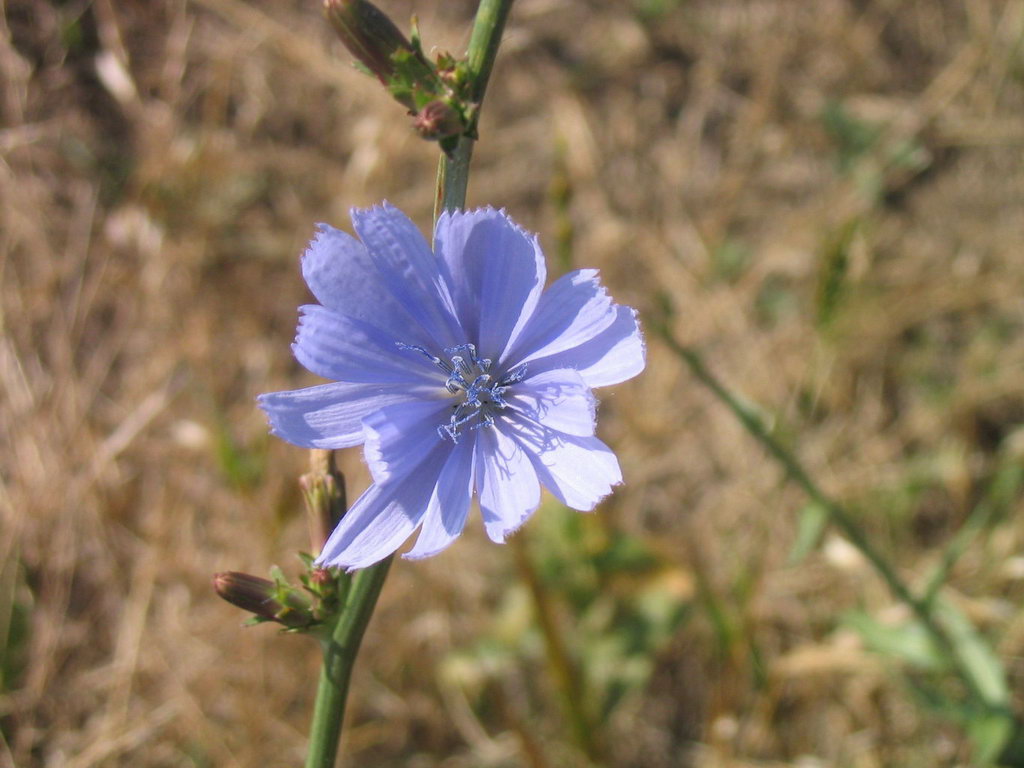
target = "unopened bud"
x: 368, y: 34
x: 321, y: 577
x: 438, y: 120
x: 323, y: 491
x: 264, y: 598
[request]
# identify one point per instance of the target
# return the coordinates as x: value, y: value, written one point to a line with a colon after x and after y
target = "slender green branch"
x: 837, y: 513
x: 340, y: 650
x: 453, y: 170
x: 975, y: 524
x: 483, y: 44
x: 453, y: 177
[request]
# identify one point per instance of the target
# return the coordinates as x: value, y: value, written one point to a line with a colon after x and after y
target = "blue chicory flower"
x: 457, y: 372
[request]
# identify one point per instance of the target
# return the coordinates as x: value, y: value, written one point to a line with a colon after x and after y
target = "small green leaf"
x: 853, y: 137
x: 835, y: 261
x: 448, y: 144
x: 810, y: 528
x: 729, y: 260
x: 241, y: 464
x: 359, y: 66
x: 989, y: 733
x: 16, y: 602
x: 984, y: 666
x: 414, y: 34
x: 907, y: 642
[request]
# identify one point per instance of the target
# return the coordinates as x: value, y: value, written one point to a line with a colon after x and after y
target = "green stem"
x: 453, y: 177
x: 340, y: 650
x: 980, y: 520
x: 483, y: 44
x: 342, y: 646
x: 838, y: 514
x: 453, y: 170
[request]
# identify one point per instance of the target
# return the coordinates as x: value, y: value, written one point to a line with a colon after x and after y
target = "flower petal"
x: 449, y: 505
x: 398, y: 435
x: 496, y: 271
x: 579, y: 471
x: 558, y: 399
x: 616, y: 354
x: 571, y: 312
x: 505, y: 481
x: 328, y: 415
x: 409, y: 271
x: 346, y: 349
x: 342, y: 275
x: 384, y: 516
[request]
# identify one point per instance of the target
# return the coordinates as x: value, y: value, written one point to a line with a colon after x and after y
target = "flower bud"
x: 264, y: 598
x: 321, y: 577
x: 368, y: 34
x: 323, y: 491
x: 438, y: 120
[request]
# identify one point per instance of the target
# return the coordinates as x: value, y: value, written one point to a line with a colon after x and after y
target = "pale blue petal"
x: 616, y: 354
x: 505, y: 481
x: 558, y: 399
x: 575, y: 309
x: 343, y: 348
x: 398, y: 436
x: 463, y: 276
x: 330, y: 415
x: 409, y: 271
x: 496, y: 272
x: 384, y: 516
x: 343, y: 277
x: 579, y: 471
x: 449, y: 505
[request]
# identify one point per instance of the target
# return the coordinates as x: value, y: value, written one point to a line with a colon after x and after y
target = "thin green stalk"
x: 838, y: 515
x: 975, y: 524
x: 1001, y: 487
x: 342, y: 646
x: 453, y: 177
x: 453, y: 171
x: 483, y: 44
x: 340, y: 650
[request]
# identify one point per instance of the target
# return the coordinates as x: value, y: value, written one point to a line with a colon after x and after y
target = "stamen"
x: 423, y: 351
x: 514, y: 375
x: 470, y: 375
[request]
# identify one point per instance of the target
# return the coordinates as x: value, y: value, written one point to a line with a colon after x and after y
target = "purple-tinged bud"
x: 323, y: 584
x: 438, y: 120
x: 250, y: 593
x: 264, y: 598
x: 368, y: 34
x: 321, y: 577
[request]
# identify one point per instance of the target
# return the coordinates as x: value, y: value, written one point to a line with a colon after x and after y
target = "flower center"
x: 470, y: 376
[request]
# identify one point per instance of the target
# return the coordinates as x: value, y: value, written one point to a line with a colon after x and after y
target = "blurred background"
x: 830, y: 196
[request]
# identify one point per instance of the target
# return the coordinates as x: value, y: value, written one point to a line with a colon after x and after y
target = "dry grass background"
x: 830, y: 194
